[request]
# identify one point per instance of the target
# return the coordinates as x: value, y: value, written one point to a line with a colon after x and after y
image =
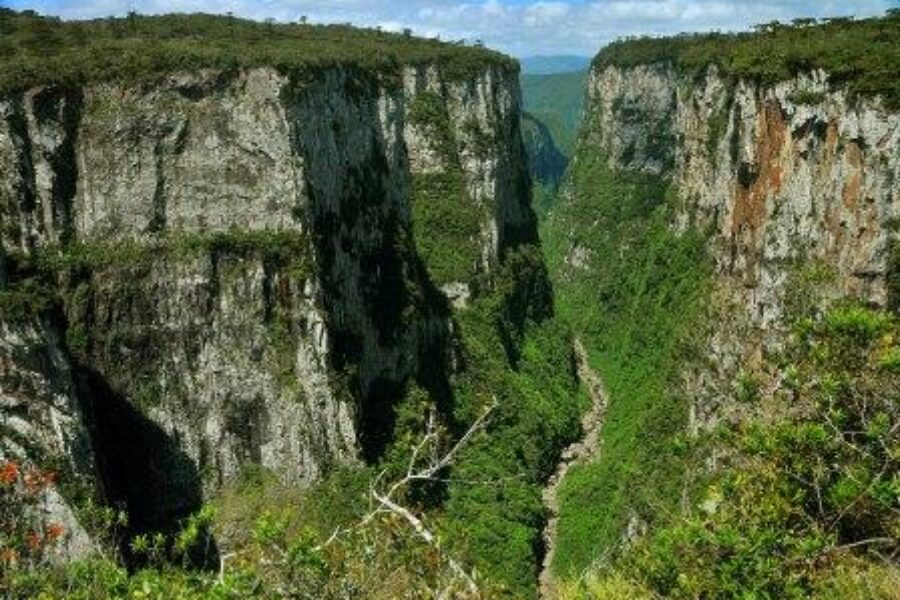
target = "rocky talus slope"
x: 237, y: 274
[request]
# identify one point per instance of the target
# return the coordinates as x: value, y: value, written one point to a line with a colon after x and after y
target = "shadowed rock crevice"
x: 142, y: 468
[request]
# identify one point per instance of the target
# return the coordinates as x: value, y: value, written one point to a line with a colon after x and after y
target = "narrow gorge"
x: 283, y: 313
x: 277, y: 275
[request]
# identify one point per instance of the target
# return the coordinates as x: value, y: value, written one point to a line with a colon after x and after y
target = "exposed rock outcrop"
x: 234, y: 256
x: 792, y: 181
x: 41, y: 419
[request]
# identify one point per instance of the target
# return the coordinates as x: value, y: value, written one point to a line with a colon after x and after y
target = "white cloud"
x: 545, y: 14
x: 519, y: 27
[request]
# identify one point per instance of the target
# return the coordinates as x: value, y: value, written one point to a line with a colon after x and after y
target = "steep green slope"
x: 633, y: 290
x: 764, y: 505
x: 803, y: 505
x: 556, y: 100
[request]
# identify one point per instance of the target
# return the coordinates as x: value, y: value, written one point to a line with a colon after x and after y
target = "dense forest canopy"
x: 41, y: 50
x: 862, y: 54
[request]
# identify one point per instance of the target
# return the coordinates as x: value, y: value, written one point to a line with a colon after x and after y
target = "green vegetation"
x: 807, y: 97
x: 518, y: 357
x: 283, y: 550
x: 36, y: 50
x: 515, y: 359
x: 803, y: 507
x: 335, y: 502
x: 633, y: 290
x: 556, y: 101
x: 32, y: 278
x: 446, y: 226
x: 862, y: 55
x: 717, y: 126
x: 513, y: 356
x: 446, y: 221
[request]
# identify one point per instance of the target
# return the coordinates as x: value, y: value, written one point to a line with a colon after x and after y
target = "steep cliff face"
x: 43, y: 420
x: 790, y: 181
x: 235, y: 256
x: 545, y: 160
x: 721, y: 193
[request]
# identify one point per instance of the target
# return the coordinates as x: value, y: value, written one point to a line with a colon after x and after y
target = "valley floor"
x: 581, y: 450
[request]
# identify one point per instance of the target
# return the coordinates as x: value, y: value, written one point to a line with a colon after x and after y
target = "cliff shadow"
x: 371, y: 275
x: 143, y: 471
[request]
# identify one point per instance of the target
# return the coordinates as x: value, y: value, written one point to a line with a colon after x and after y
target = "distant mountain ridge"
x: 552, y: 64
x: 557, y: 101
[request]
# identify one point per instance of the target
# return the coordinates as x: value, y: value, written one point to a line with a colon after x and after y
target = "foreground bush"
x: 804, y: 505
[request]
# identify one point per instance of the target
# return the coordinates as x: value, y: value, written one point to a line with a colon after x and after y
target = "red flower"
x: 9, y: 473
x: 34, y: 482
x: 54, y: 532
x: 33, y: 541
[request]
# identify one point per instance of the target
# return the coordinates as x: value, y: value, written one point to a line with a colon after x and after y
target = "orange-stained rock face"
x: 853, y: 183
x: 752, y: 198
x: 782, y: 186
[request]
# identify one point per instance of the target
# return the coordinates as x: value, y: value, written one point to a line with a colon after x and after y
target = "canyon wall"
x: 233, y: 271
x: 797, y: 186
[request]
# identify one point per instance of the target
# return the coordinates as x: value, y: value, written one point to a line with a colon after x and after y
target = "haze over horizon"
x: 521, y: 28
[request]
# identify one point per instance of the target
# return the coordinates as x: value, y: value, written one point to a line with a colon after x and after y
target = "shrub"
x: 859, y: 54
x: 27, y: 538
x: 805, y: 506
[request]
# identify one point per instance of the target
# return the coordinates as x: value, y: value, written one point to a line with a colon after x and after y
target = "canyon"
x: 241, y: 293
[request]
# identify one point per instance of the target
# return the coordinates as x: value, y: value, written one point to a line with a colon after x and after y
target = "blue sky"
x: 519, y: 27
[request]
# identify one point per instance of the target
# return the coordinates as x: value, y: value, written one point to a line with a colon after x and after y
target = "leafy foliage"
x: 446, y: 225
x: 27, y: 538
x: 380, y: 561
x: 512, y: 354
x: 446, y: 221
x: 806, y: 506
x: 862, y: 55
x: 632, y: 289
x: 37, y: 50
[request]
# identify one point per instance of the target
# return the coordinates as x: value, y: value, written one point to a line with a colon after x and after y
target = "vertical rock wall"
x: 791, y: 181
x: 232, y: 252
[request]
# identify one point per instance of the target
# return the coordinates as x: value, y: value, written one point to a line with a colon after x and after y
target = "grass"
x: 37, y: 50
x: 634, y: 303
x: 861, y: 55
